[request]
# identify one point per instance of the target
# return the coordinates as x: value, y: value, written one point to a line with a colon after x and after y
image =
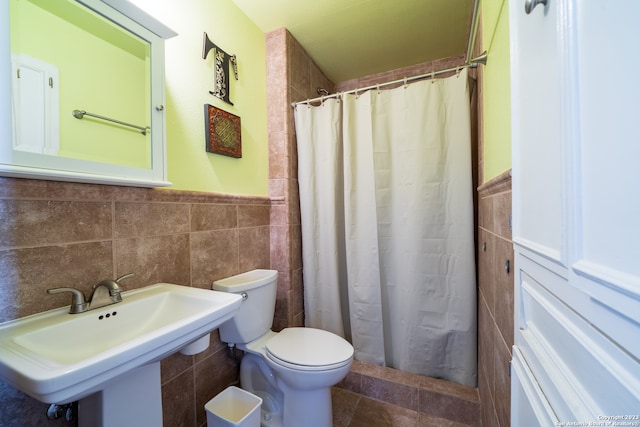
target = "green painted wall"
x: 189, y: 79
x: 496, y: 90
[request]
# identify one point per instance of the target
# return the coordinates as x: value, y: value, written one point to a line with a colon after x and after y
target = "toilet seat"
x: 309, y: 349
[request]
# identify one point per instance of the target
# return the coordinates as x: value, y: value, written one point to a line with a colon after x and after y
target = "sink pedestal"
x: 131, y: 399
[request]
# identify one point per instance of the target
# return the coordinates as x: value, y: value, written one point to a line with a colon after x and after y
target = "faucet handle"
x: 126, y: 276
x: 78, y: 302
x: 115, y: 293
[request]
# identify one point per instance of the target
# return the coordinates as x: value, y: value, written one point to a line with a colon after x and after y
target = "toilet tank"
x: 255, y: 316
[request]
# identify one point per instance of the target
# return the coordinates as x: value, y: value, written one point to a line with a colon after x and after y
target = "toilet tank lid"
x: 245, y: 281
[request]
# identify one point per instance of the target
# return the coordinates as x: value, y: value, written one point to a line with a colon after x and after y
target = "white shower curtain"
x: 387, y: 225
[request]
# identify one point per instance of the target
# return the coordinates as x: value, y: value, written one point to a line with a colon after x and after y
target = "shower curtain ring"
x: 405, y: 82
x: 433, y: 76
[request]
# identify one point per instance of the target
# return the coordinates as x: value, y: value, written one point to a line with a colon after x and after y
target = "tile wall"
x: 291, y: 75
x: 401, y: 73
x: 495, y: 300
x: 56, y: 234
x: 431, y: 398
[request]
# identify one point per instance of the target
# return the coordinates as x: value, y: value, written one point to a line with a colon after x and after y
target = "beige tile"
x: 278, y: 156
x: 174, y: 365
x: 279, y: 214
x: 178, y: 401
x: 283, y: 310
x: 292, y: 154
x: 300, y: 64
x: 154, y: 259
x: 297, y: 294
x: 503, y: 303
x: 344, y: 405
x: 448, y: 388
x: 214, y: 255
x: 367, y: 369
x: 20, y: 410
x: 253, y: 248
x: 450, y: 408
x: 277, y: 188
x: 425, y: 420
x: 29, y: 272
x: 486, y: 339
x: 352, y: 382
x: 13, y: 188
x: 398, y: 376
x: 280, y: 249
x: 487, y: 411
x: 318, y: 79
x: 279, y: 323
x: 150, y: 219
x: 298, y: 319
x: 215, y: 345
x: 502, y: 386
x: 213, y: 217
x: 295, y: 248
x: 501, y: 214
x: 370, y: 413
x: 47, y: 222
x: 487, y: 266
x: 399, y: 394
x: 253, y: 215
x: 485, y: 213
x: 277, y: 66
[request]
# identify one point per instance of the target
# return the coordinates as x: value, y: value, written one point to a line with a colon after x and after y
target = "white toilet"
x: 293, y: 370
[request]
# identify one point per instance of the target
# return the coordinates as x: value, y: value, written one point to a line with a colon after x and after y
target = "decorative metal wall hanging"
x: 222, y: 132
x: 221, y: 68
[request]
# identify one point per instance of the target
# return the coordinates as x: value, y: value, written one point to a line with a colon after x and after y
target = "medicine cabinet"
x: 82, y: 92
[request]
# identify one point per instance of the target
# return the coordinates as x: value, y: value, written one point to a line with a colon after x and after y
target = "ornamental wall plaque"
x: 222, y: 132
x: 221, y: 69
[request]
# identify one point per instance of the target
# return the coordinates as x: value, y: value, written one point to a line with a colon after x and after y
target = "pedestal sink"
x: 109, y: 358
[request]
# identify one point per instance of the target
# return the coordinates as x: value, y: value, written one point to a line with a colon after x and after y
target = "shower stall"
x: 386, y: 200
x: 287, y: 225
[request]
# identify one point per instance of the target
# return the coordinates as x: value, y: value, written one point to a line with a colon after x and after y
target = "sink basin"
x: 57, y: 357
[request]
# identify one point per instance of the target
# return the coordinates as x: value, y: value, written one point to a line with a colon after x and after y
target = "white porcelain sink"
x: 57, y: 357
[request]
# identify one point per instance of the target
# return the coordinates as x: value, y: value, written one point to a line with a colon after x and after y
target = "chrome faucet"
x: 105, y: 292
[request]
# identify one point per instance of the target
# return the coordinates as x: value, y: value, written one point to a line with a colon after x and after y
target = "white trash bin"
x: 234, y: 407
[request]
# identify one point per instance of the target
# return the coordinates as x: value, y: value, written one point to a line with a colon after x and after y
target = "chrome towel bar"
x: 79, y: 114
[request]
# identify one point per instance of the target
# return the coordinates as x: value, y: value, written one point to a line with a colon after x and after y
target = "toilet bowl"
x: 291, y: 370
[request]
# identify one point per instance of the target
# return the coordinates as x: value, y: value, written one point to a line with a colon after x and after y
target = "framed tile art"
x: 222, y: 132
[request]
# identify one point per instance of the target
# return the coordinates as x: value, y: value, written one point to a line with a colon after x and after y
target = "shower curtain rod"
x: 482, y: 59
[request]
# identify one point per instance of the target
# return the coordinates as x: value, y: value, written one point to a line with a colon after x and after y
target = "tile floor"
x: 354, y: 410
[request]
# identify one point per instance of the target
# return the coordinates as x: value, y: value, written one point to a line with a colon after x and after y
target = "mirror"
x: 87, y: 92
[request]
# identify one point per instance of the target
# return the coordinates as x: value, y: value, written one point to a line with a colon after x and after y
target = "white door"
x: 576, y: 211
x: 35, y: 105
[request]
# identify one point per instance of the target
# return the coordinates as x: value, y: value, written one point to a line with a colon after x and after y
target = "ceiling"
x: 354, y: 38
